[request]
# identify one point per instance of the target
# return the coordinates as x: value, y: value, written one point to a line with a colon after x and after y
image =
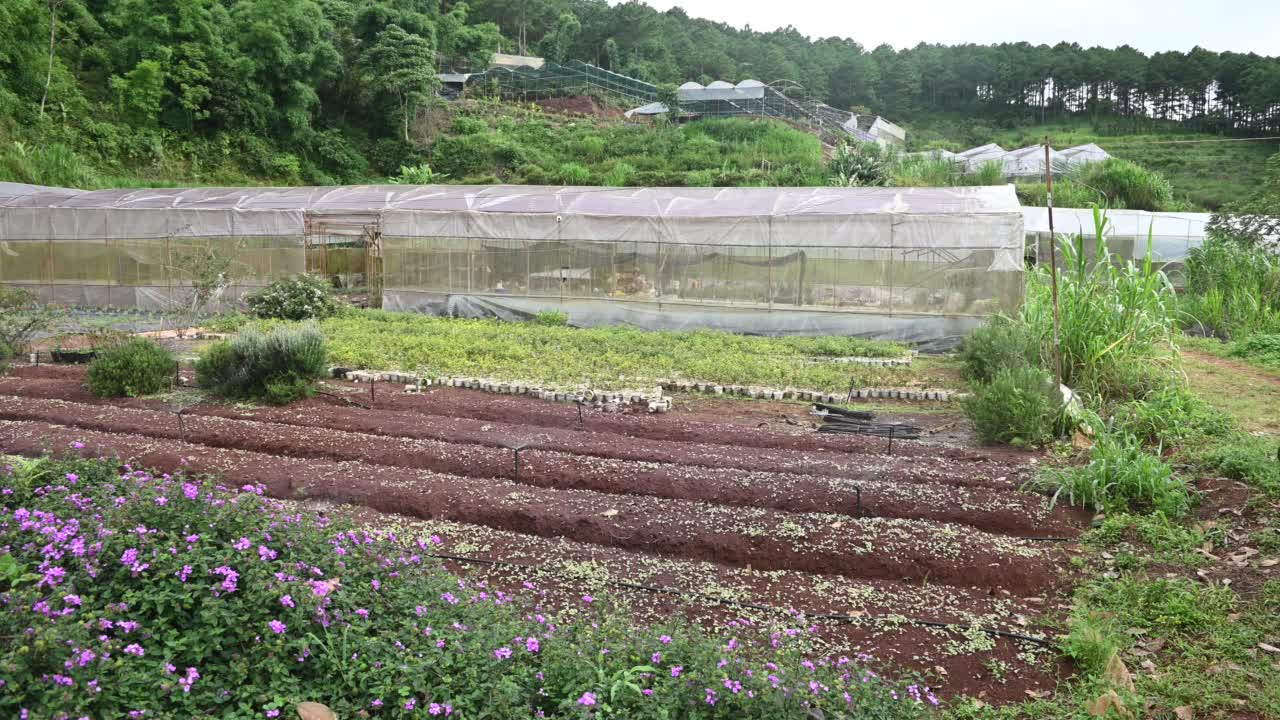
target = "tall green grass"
x: 1121, y: 474
x: 1114, y: 315
x: 1233, y: 290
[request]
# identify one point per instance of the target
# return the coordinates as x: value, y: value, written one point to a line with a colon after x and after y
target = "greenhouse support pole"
x: 1053, y: 264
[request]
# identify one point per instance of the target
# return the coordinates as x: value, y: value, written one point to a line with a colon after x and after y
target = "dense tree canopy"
x: 327, y: 90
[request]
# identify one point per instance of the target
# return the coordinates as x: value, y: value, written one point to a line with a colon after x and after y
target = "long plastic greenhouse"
x: 915, y: 264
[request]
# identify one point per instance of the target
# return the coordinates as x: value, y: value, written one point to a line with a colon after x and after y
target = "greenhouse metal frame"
x: 923, y: 265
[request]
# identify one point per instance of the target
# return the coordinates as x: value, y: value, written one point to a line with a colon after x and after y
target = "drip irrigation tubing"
x: 832, y: 617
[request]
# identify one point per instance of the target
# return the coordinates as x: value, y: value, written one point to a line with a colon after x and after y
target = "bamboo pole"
x: 1053, y: 264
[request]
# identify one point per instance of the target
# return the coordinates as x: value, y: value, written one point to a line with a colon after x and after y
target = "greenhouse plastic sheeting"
x: 888, y: 262
x: 1173, y: 234
x: 930, y: 333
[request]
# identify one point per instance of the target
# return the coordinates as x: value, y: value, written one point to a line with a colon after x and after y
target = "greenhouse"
x: 923, y: 264
x: 1173, y: 235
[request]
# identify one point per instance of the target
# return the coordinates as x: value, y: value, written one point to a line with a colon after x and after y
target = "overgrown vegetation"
x: 1233, y: 289
x: 144, y: 594
x: 277, y: 367
x: 132, y: 368
x: 302, y: 297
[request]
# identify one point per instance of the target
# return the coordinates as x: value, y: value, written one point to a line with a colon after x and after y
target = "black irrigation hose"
x: 836, y: 617
x: 347, y: 400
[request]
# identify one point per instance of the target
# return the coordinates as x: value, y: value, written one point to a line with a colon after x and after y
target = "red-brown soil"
x: 744, y: 519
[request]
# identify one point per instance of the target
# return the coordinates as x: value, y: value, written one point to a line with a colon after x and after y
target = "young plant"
x: 1120, y: 475
x: 1020, y: 406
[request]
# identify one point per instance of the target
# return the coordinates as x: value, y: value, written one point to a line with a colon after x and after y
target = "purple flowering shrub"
x: 129, y: 594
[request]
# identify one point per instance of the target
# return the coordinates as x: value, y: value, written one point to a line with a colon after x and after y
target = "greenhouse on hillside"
x: 923, y: 264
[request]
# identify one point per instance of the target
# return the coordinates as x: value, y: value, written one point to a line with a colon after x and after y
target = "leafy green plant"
x: 133, y: 368
x: 1020, y: 406
x: 5, y: 356
x: 1263, y: 349
x: 551, y: 318
x: 1168, y: 416
x: 278, y: 367
x: 858, y: 164
x: 1001, y: 344
x: 420, y: 174
x: 1120, y: 475
x: 302, y: 297
x: 1249, y: 458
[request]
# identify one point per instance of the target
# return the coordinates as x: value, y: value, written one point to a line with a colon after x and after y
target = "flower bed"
x: 132, y: 594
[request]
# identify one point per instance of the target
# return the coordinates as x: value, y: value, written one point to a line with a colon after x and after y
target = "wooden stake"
x: 1053, y: 265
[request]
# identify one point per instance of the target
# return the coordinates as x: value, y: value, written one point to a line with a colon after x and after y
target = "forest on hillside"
x: 324, y: 91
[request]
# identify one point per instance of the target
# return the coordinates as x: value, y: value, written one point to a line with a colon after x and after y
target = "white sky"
x: 1149, y: 25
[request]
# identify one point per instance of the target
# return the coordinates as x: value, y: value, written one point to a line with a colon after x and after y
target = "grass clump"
x: 302, y: 297
x: 1233, y: 289
x: 277, y: 367
x: 135, y: 367
x: 1020, y: 406
x: 1120, y: 475
x: 1262, y: 349
x: 176, y: 578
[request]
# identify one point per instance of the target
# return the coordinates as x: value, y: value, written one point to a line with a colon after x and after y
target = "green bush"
x: 222, y: 603
x: 1120, y: 475
x: 1126, y: 184
x: 551, y: 318
x: 999, y: 345
x: 1247, y: 458
x: 278, y: 367
x: 6, y: 355
x: 137, y: 367
x: 1263, y: 349
x: 1020, y: 406
x: 302, y: 297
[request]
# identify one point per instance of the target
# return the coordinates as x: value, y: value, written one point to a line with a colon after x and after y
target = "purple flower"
x: 587, y: 599
x: 665, y: 639
x: 287, y: 601
x: 531, y: 644
x: 278, y: 627
x: 77, y: 445
x: 413, y: 702
x: 71, y: 600
x: 435, y: 540
x: 242, y: 544
x: 272, y: 713
x: 587, y: 699
x: 675, y: 671
x: 72, y: 478
x: 449, y: 598
x: 129, y: 557
x: 134, y: 649
x: 503, y: 653
x: 656, y: 658
x: 191, y: 491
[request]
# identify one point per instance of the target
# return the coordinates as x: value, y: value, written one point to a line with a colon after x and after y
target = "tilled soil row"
x: 766, y: 539
x: 521, y: 410
x: 992, y: 510
x: 951, y: 466
x: 953, y: 660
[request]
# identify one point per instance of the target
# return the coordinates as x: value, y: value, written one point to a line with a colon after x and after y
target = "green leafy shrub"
x: 5, y: 356
x: 217, y: 602
x: 551, y: 318
x: 1263, y: 349
x: 999, y: 345
x: 302, y: 297
x: 1126, y: 184
x: 133, y: 368
x: 278, y: 367
x: 1120, y: 475
x: 1020, y: 406
x: 858, y: 164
